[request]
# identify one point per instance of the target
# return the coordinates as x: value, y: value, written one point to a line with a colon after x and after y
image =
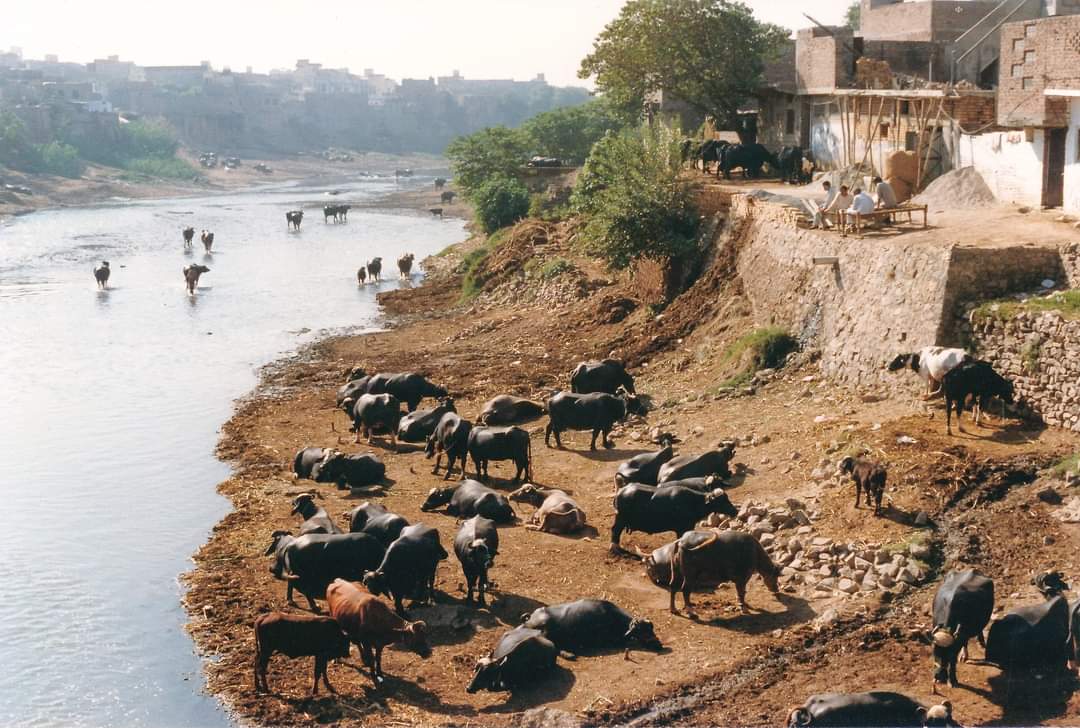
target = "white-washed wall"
x: 1011, y: 166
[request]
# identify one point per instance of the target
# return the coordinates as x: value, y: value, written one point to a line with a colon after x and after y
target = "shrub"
x: 760, y: 349
x: 490, y: 153
x: 570, y: 132
x: 472, y: 267
x: 61, y: 159
x: 635, y: 202
x: 555, y: 268
x: 500, y: 202
x: 171, y: 168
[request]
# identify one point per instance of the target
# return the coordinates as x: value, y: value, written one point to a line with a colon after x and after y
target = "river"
x: 110, y: 409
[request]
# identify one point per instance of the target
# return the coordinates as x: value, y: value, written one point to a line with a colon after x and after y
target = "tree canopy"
x: 570, y: 132
x: 709, y: 54
x: 489, y: 153
x: 852, y: 17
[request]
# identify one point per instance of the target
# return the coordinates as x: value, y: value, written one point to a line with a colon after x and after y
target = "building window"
x: 789, y: 122
x: 883, y: 130
x: 1018, y: 45
x: 1029, y: 30
x: 905, y: 107
x: 910, y: 140
x: 1027, y: 83
x: 1017, y: 70
x: 1029, y: 56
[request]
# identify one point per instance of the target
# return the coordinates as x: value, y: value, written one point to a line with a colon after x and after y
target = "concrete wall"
x: 1011, y: 165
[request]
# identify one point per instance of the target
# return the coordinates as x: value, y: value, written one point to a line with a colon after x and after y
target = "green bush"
x: 170, y: 168
x: 555, y: 268
x: 570, y: 132
x: 634, y: 199
x: 16, y: 151
x: 490, y: 153
x: 60, y: 159
x: 472, y: 266
x: 760, y: 349
x: 500, y: 202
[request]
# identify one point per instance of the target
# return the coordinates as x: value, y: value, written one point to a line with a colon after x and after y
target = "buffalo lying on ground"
x: 509, y: 410
x: 521, y: 657
x: 556, y: 512
x: 470, y: 498
x: 316, y: 519
x: 373, y: 519
x: 866, y: 710
x: 713, y: 462
x: 590, y: 624
x: 418, y: 425
x: 1033, y: 636
x: 644, y: 468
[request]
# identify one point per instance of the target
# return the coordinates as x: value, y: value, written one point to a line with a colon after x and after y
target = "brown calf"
x: 297, y: 635
x: 372, y: 625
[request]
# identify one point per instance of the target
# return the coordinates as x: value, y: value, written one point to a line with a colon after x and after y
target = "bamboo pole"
x: 930, y: 145
x: 872, y: 133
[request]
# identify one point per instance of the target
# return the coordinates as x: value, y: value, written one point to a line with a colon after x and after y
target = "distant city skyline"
x: 413, y: 39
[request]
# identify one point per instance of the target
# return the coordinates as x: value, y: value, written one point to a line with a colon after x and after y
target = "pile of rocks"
x: 818, y: 566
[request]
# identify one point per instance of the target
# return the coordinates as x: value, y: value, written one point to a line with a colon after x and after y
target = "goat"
x: 932, y: 363
x: 973, y: 378
x: 868, y: 476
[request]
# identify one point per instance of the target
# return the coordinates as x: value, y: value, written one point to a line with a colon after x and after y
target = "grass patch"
x: 1065, y: 465
x: 472, y: 266
x: 169, y: 168
x: 739, y: 380
x: 763, y: 348
x: 555, y: 268
x: 1067, y: 303
x: 1029, y: 356
x: 446, y: 251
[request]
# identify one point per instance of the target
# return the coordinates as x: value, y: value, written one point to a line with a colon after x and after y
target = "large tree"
x: 709, y: 54
x: 851, y: 18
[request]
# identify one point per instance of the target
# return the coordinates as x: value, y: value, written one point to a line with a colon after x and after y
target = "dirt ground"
x: 723, y: 667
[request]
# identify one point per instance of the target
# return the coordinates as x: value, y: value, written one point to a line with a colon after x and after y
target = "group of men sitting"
x: 852, y: 202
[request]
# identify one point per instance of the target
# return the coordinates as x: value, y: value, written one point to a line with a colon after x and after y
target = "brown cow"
x: 372, y: 625
x: 556, y: 512
x: 868, y: 476
x: 297, y: 635
x: 706, y: 559
x: 191, y: 276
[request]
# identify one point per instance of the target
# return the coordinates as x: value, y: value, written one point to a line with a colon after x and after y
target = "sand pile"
x: 960, y: 188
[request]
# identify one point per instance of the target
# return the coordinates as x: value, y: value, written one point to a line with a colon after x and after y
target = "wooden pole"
x: 930, y: 145
x: 872, y: 133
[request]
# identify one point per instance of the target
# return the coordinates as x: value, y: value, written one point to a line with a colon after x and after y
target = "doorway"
x: 1054, y: 168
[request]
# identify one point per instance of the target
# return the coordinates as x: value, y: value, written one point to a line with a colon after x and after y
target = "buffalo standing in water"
x: 191, y: 276
x: 374, y: 269
x: 189, y: 235
x: 404, y: 264
x: 293, y: 218
x: 361, y: 276
x: 101, y: 274
x: 207, y: 240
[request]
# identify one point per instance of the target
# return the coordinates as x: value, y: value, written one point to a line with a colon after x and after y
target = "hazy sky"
x: 401, y: 38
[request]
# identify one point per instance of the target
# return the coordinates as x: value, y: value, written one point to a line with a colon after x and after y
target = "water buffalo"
x: 451, y: 436
x: 409, y: 387
x: 337, y: 212
x: 349, y: 392
x: 375, y: 520
x: 962, y: 607
x: 189, y: 235
x: 447, y: 197
x: 192, y: 273
x: 308, y: 462
x: 374, y: 269
x: 648, y: 509
x: 556, y: 512
x: 372, y: 626
x: 644, y: 468
x: 591, y: 624
x: 713, y: 462
x: 500, y: 443
x: 1033, y: 636
x: 417, y: 426
x: 101, y: 274
x: 476, y: 545
x: 597, y: 412
x: 790, y: 162
x: 521, y: 656
x: 309, y: 563
x: 600, y: 376
x: 297, y: 635
x: 869, y: 710
x: 702, y: 485
x: 404, y: 264
x: 316, y: 519
x: 440, y: 182
x: 409, y: 566
x: 706, y: 559
x: 377, y: 414
x: 207, y: 240
x: 509, y: 410
x: 470, y: 498
x: 712, y: 150
x: 751, y: 157
x: 361, y: 276
x: 293, y: 218
x: 333, y: 466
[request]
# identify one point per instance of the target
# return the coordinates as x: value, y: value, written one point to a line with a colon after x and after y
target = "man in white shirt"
x: 863, y: 204
x: 818, y: 209
x: 886, y: 196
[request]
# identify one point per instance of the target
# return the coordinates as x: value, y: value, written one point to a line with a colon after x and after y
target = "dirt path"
x: 724, y: 667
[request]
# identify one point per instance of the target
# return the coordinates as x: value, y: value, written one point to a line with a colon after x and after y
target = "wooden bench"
x: 855, y: 220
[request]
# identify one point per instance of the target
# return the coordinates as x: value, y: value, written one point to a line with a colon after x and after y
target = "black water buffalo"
x: 308, y: 462
x: 470, y: 498
x: 293, y: 218
x: 509, y: 410
x: 411, y: 387
x: 377, y: 414
x: 476, y: 545
x: 408, y: 569
x: 500, y: 443
x: 361, y: 276
x: 600, y: 376
x: 751, y: 157
x: 316, y: 519
x: 1074, y: 635
x: 327, y: 465
x: 349, y: 392
x: 869, y: 710
x: 1033, y: 636
x: 309, y: 563
x: 962, y: 607
x: 192, y: 273
x: 973, y: 379
x: 705, y: 563
x: 713, y: 462
x: 189, y: 235
x: 790, y: 162
x: 597, y: 412
x: 656, y: 510
x: 643, y: 468
x: 101, y: 274
x: 521, y: 657
x: 440, y: 182
x: 374, y: 269
x: 447, y: 197
x: 591, y: 624
x: 712, y: 150
x: 375, y: 520
x: 417, y: 426
x: 702, y: 485
x: 451, y: 436
x: 404, y: 264
x: 340, y: 213
x: 207, y: 240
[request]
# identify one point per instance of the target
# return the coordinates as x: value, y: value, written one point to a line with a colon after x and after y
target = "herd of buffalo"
x: 381, y: 553
x: 792, y: 163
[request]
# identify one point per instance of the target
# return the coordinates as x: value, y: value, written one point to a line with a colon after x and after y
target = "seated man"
x: 839, y: 203
x: 818, y: 209
x: 886, y: 196
x: 862, y: 204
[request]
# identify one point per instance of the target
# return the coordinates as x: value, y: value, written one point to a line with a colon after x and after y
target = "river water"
x: 110, y: 408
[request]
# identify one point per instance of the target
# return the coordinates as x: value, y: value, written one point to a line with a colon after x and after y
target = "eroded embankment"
x: 724, y: 667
